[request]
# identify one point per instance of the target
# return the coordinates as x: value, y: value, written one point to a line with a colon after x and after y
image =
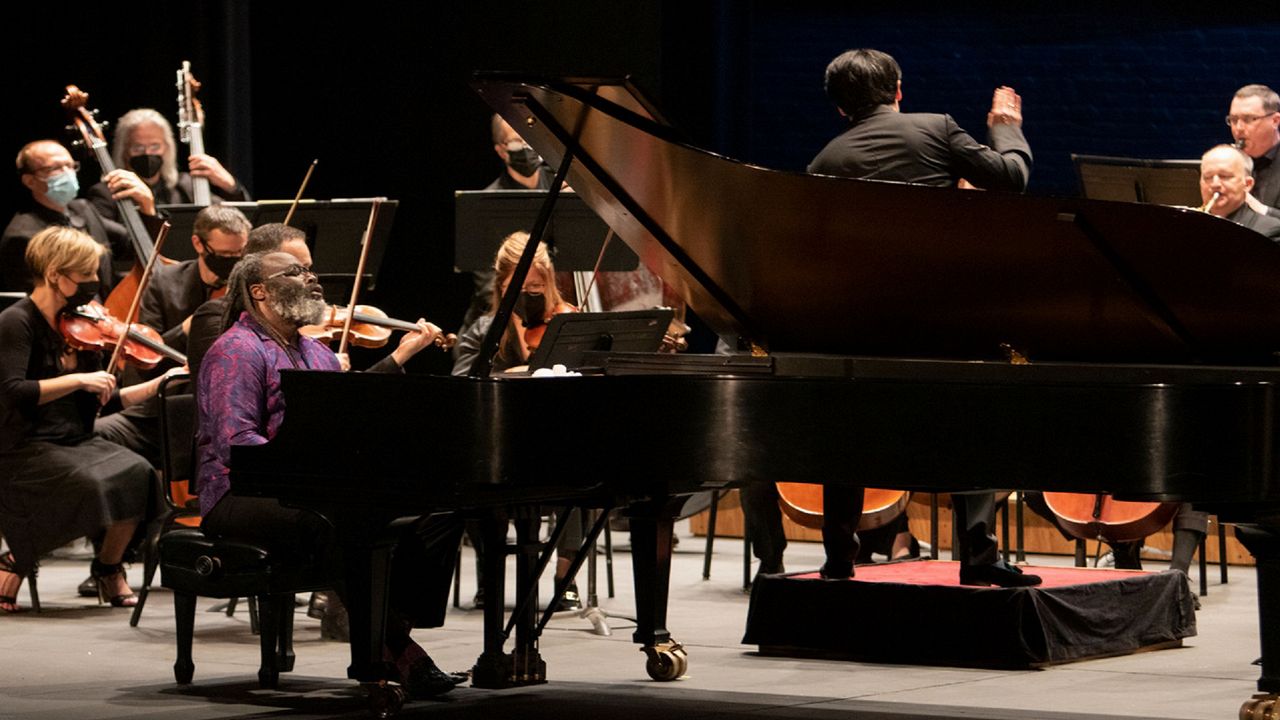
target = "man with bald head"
x: 1226, y: 177
x: 46, y: 169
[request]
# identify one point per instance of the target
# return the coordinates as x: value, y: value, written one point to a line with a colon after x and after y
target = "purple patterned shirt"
x: 240, y: 402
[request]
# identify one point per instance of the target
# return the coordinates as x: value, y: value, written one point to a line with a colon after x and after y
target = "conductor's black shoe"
x: 426, y: 680
x: 836, y: 571
x: 996, y: 574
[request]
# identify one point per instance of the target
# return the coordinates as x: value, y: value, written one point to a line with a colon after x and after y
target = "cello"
x: 802, y: 503
x: 91, y: 136
x: 1101, y: 517
x: 191, y: 128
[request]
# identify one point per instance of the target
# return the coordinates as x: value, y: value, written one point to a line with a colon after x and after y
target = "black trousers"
x: 421, y: 565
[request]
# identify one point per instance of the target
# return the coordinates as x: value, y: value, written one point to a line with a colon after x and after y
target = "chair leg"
x: 1204, y: 568
x: 711, y: 535
x: 746, y: 563
x: 608, y: 559
x: 268, y: 627
x: 285, y: 657
x: 1222, y: 551
x: 1080, y: 553
x: 148, y: 575
x: 457, y: 579
x: 33, y: 587
x: 255, y: 622
x: 1019, y: 530
x: 1004, y: 532
x: 184, y: 615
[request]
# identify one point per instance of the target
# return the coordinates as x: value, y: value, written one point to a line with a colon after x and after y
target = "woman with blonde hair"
x: 57, y: 481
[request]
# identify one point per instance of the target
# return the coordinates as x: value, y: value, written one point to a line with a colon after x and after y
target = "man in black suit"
x: 1254, y: 119
x: 1226, y: 179
x: 883, y: 143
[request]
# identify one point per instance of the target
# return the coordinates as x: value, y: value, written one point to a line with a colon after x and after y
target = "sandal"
x: 102, y: 572
x: 9, y: 603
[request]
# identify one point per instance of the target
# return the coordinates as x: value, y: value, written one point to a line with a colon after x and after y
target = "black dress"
x: 57, y: 481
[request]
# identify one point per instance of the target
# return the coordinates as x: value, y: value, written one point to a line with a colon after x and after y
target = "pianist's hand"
x: 1006, y: 108
x: 413, y: 342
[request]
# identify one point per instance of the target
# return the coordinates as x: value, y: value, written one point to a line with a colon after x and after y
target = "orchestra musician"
x: 522, y: 170
x: 143, y: 141
x: 271, y: 295
x: 1227, y: 173
x: 175, y: 292
x: 46, y: 169
x: 883, y: 143
x: 539, y: 301
x: 1254, y: 120
x: 57, y: 480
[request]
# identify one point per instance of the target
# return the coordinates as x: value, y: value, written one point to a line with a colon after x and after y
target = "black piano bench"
x: 192, y: 565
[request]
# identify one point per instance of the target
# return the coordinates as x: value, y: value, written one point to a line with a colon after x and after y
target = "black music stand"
x: 1160, y: 182
x: 574, y: 233
x: 569, y: 336
x: 334, y: 229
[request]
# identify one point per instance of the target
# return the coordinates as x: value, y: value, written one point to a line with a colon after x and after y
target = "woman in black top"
x: 57, y: 481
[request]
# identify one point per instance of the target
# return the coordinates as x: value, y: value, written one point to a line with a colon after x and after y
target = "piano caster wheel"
x: 666, y: 662
x: 1263, y: 706
x: 385, y: 699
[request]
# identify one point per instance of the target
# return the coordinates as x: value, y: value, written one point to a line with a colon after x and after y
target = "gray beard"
x: 296, y: 305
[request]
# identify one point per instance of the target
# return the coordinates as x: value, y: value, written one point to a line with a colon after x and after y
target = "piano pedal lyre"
x: 666, y: 661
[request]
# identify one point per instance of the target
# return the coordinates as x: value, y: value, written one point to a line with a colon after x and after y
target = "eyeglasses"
x: 48, y: 171
x: 1233, y: 120
x: 214, y: 253
x: 293, y: 271
x: 152, y: 149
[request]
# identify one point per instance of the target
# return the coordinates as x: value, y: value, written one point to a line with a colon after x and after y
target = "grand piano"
x: 899, y: 336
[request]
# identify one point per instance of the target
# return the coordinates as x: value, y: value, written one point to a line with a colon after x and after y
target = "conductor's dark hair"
x: 859, y: 81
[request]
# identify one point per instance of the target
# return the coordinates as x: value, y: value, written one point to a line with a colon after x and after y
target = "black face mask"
x: 85, y: 292
x: 146, y: 165
x: 219, y: 265
x: 531, y: 309
x: 524, y: 161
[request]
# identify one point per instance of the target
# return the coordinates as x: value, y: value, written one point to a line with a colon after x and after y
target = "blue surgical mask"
x: 63, y: 187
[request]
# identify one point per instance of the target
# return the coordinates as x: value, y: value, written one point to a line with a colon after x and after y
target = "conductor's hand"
x: 414, y: 342
x: 100, y: 383
x: 1006, y: 108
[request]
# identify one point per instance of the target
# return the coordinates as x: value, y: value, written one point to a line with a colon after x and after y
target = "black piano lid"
x: 806, y: 263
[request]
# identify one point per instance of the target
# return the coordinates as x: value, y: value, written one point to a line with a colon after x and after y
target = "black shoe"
x: 836, y: 571
x: 771, y: 568
x: 996, y: 574
x: 570, y: 600
x: 426, y: 680
x: 88, y: 588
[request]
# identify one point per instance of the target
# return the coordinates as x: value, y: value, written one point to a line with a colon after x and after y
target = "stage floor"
x: 80, y: 661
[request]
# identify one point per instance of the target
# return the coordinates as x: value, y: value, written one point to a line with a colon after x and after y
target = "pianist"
x: 270, y: 296
x: 1228, y: 173
x: 883, y: 143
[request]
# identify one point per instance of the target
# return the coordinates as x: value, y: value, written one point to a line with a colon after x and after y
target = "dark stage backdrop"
x: 378, y: 92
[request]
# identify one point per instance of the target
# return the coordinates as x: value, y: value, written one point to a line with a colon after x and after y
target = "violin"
x: 370, y: 327
x: 533, y: 335
x: 93, y: 327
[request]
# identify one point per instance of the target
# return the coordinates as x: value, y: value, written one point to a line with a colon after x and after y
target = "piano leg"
x: 523, y: 666
x: 368, y: 572
x: 1264, y: 543
x: 651, y: 529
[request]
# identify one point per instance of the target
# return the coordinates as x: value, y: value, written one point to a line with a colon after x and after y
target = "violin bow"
x: 355, y: 285
x: 301, y: 188
x: 137, y: 297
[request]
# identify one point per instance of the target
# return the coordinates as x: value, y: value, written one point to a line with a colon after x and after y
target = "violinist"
x: 144, y: 142
x: 539, y: 301
x: 171, y: 298
x: 271, y: 295
x: 48, y: 172
x: 522, y: 169
x: 57, y: 480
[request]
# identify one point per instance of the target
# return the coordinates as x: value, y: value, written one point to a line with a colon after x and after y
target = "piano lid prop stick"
x: 483, y: 362
x: 355, y: 285
x: 298, y: 198
x: 137, y: 297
